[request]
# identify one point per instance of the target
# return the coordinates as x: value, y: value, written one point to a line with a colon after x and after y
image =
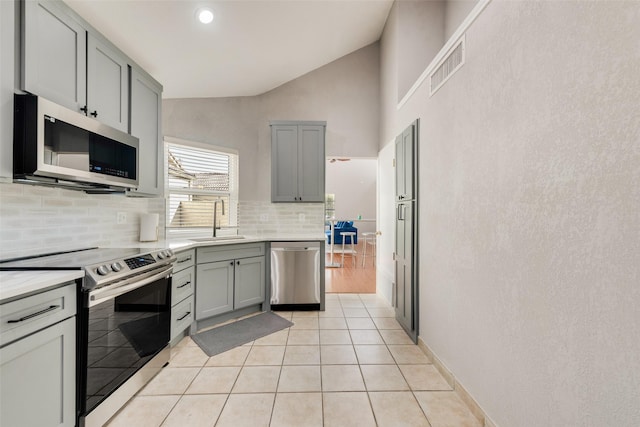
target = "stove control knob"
x: 161, y: 255
x: 116, y: 266
x: 169, y: 252
x: 103, y: 270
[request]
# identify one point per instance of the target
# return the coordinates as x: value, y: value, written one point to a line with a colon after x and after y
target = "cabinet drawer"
x: 182, y: 316
x: 225, y: 252
x: 182, y: 284
x: 184, y: 260
x: 38, y: 378
x: 25, y: 316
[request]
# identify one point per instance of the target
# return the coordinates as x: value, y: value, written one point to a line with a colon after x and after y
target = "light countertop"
x: 183, y: 244
x: 14, y: 284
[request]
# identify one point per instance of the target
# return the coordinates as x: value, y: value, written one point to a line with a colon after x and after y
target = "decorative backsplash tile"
x: 35, y: 220
x: 258, y: 218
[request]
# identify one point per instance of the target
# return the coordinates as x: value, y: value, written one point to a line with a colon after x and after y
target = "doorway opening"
x: 350, y: 206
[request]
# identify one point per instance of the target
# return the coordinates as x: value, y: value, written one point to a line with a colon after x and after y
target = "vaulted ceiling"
x: 251, y: 47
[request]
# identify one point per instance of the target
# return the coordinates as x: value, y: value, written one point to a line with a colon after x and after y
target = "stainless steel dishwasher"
x: 295, y: 275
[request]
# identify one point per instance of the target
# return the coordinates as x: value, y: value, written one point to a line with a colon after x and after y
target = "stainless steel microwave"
x: 55, y: 146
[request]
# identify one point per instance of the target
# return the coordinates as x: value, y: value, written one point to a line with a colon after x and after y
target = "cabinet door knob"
x: 231, y: 263
x: 84, y: 109
x: 94, y: 114
x: 237, y: 262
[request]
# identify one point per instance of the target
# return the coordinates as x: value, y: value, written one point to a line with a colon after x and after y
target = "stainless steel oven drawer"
x: 27, y: 315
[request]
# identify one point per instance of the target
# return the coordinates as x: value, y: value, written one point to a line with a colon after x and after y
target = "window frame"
x: 231, y: 207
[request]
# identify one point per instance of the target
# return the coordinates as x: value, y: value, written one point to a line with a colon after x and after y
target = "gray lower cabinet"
x: 249, y: 282
x: 214, y: 294
x: 37, y: 360
x: 183, y: 284
x: 225, y: 285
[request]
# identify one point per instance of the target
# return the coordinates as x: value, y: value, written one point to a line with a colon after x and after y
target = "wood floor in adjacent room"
x: 349, y: 278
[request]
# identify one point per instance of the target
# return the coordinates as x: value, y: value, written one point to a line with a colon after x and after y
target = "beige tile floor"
x: 351, y: 365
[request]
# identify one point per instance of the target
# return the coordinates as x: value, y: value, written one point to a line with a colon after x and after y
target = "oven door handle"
x: 110, y: 292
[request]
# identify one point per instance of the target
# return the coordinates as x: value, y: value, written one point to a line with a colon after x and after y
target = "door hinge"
x: 394, y: 163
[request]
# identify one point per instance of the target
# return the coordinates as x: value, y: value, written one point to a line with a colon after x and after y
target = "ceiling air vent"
x: 447, y: 66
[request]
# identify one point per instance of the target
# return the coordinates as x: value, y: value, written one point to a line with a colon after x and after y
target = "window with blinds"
x: 197, y: 178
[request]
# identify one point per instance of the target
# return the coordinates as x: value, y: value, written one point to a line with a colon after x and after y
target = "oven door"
x: 122, y: 327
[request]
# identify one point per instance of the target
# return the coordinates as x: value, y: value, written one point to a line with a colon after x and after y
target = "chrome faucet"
x: 215, y: 214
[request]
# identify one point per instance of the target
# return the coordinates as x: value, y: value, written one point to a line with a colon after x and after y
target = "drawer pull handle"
x: 46, y: 310
x: 183, y: 317
x: 180, y: 261
x: 185, y: 284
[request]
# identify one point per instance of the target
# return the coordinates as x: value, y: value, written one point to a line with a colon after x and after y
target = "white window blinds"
x: 196, y: 178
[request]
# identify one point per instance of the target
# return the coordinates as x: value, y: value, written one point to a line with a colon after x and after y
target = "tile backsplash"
x: 261, y: 218
x: 36, y: 220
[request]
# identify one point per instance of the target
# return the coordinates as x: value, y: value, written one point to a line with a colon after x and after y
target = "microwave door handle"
x: 110, y: 292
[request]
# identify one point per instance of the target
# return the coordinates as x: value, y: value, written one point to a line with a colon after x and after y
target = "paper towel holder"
x: 149, y: 227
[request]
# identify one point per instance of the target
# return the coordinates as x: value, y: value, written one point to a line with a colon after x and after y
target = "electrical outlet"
x: 301, y: 217
x: 121, y: 218
x: 264, y: 217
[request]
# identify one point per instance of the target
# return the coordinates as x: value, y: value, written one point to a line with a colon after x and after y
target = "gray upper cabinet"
x: 54, y: 54
x: 146, y: 111
x: 297, y: 161
x: 69, y: 64
x: 107, y: 84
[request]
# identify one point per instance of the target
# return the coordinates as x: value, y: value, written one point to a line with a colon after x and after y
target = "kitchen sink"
x: 217, y: 239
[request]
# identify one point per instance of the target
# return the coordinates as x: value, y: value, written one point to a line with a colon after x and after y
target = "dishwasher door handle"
x: 294, y: 249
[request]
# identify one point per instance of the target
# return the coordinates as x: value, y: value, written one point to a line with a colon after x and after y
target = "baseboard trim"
x: 462, y: 392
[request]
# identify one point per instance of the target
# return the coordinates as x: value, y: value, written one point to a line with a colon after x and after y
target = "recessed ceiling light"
x: 205, y: 15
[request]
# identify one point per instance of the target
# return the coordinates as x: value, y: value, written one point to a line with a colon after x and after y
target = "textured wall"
x: 36, y: 220
x: 423, y: 24
x: 530, y: 189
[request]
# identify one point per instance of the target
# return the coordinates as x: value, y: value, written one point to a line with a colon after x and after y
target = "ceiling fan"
x: 340, y: 160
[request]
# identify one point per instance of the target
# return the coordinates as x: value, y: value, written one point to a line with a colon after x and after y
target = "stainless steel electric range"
x: 123, y: 322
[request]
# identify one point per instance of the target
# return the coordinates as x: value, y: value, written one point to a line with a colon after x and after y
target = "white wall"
x: 353, y: 183
x: 455, y: 12
x: 424, y: 25
x: 385, y: 265
x: 529, y: 219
